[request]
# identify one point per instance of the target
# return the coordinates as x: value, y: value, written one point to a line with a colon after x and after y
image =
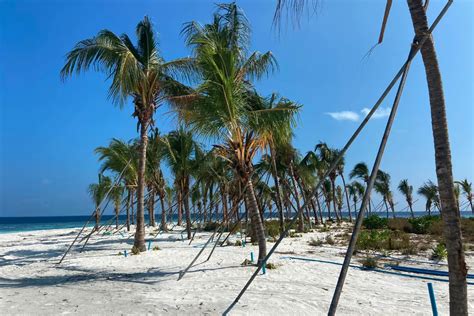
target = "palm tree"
x: 137, y: 71
x: 356, y: 190
x: 457, y: 194
x: 98, y: 192
x: 407, y: 191
x: 429, y: 191
x: 467, y: 190
x: 179, y: 151
x: 119, y: 157
x: 382, y: 186
x: 361, y: 171
x: 223, y: 109
x: 444, y: 172
x: 116, y: 195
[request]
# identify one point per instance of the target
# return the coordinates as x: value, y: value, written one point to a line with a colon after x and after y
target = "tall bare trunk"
x: 97, y: 217
x: 279, y: 201
x: 410, y: 205
x: 139, y: 241
x: 180, y: 207
x: 347, y: 197
x: 224, y: 204
x: 117, y: 210
x: 451, y: 216
x: 297, y: 198
x: 128, y: 210
x: 163, y: 211
x: 333, y: 189
x: 257, y: 223
x: 187, y: 212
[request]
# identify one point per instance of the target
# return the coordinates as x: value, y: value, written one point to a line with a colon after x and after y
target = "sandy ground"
x: 99, y: 281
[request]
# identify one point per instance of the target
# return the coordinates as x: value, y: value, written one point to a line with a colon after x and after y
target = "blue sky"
x: 49, y: 129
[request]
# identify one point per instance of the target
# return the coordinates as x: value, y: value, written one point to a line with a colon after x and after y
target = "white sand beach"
x: 99, y: 281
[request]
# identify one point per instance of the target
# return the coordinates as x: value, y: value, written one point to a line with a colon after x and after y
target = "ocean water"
x: 21, y: 224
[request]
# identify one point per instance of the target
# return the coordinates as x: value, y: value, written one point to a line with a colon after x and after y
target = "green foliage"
x: 156, y: 248
x: 271, y: 266
x: 135, y: 250
x: 272, y: 228
x: 375, y: 222
x: 315, y: 242
x: 210, y: 226
x: 421, y: 225
x: 330, y: 240
x: 238, y: 243
x: 439, y: 252
x: 369, y: 263
x: 294, y: 234
x: 246, y: 262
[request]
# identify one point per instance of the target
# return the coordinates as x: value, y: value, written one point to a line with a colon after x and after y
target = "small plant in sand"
x: 369, y: 263
x: 439, y: 252
x: 294, y: 234
x: 156, y: 248
x: 271, y: 266
x: 238, y: 243
x: 330, y: 240
x: 120, y: 253
x: 315, y: 242
x: 246, y: 262
x: 135, y: 250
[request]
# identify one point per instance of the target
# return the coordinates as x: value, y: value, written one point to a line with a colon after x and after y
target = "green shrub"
x: 401, y: 224
x: 271, y: 266
x: 373, y: 240
x: 439, y: 252
x: 374, y: 222
x: 330, y: 240
x: 369, y: 263
x: 135, y: 250
x: 238, y: 243
x: 272, y: 228
x: 315, y: 242
x: 294, y: 234
x: 210, y: 226
x: 421, y: 225
x: 156, y: 248
x: 246, y: 262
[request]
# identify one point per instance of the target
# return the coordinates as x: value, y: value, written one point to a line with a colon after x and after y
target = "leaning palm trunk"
x: 333, y: 189
x: 257, y: 224
x: 347, y: 197
x: 139, y: 242
x: 128, y: 210
x: 186, y: 207
x: 451, y: 216
x: 97, y: 217
x: 297, y: 199
x: 410, y: 205
x: 117, y: 210
x: 279, y: 202
x: 163, y: 211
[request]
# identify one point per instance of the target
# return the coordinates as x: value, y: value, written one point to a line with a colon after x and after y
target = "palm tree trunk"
x: 180, y: 207
x: 224, y: 204
x: 279, y: 203
x: 150, y: 209
x: 186, y: 206
x: 392, y: 207
x: 132, y: 205
x: 139, y: 241
x: 257, y: 223
x: 97, y: 217
x: 472, y: 206
x: 128, y: 210
x: 163, y: 211
x: 333, y: 185
x: 117, y: 210
x: 451, y: 216
x: 297, y: 199
x: 386, y: 206
x: 410, y: 205
x: 347, y: 197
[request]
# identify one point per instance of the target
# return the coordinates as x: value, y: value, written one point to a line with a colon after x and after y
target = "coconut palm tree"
x: 382, y: 186
x: 116, y: 195
x: 467, y: 190
x: 361, y: 171
x: 222, y: 109
x: 179, y: 153
x: 429, y: 191
x: 137, y: 72
x: 407, y: 190
x: 356, y: 190
x: 98, y: 192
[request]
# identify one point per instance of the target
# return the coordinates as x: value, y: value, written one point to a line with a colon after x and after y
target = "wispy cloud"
x: 380, y: 113
x: 344, y: 116
x: 355, y: 117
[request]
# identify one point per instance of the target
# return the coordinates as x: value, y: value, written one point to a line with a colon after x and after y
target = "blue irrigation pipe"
x: 251, y: 256
x: 149, y: 244
x: 434, y: 308
x: 423, y: 271
x: 125, y: 253
x: 375, y: 270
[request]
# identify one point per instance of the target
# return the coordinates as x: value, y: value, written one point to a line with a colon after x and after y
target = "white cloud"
x: 380, y: 113
x: 344, y: 116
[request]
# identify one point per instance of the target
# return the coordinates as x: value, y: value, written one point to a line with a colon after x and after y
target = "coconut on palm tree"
x: 137, y: 72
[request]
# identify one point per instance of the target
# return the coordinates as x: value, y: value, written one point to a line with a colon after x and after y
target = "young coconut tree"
x: 98, y: 192
x: 407, y: 191
x: 137, y: 72
x: 467, y: 190
x: 223, y: 109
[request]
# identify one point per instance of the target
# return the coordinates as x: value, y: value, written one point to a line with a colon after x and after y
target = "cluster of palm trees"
x: 213, y: 95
